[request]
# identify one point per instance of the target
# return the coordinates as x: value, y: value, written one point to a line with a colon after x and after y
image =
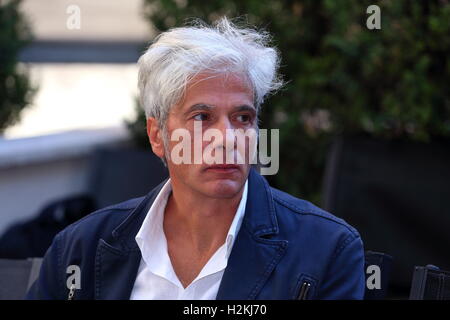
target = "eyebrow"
x: 199, y: 106
x: 207, y: 107
x: 246, y: 108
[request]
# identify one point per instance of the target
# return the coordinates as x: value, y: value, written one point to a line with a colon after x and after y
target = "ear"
x: 155, y: 137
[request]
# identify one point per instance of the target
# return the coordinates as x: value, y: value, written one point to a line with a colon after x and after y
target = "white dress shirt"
x: 156, y: 278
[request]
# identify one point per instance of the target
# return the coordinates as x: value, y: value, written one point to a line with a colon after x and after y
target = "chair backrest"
x: 121, y: 174
x: 32, y: 237
x: 17, y: 276
x: 394, y: 193
x: 430, y: 283
x: 378, y: 269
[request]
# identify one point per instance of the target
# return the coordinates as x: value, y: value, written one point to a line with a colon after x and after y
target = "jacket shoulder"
x: 307, y: 209
x: 103, y: 221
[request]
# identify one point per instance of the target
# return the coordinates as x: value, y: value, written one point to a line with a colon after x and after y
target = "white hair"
x: 177, y: 55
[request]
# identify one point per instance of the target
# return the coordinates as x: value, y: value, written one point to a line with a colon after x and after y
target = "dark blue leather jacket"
x: 287, y: 248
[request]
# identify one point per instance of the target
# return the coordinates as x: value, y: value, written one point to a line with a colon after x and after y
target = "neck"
x: 203, y: 222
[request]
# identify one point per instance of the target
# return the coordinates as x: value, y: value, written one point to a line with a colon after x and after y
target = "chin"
x: 222, y: 188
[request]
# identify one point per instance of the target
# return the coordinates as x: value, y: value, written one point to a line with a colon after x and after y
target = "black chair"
x: 377, y: 264
x: 121, y: 174
x: 16, y: 277
x: 430, y: 283
x: 31, y: 238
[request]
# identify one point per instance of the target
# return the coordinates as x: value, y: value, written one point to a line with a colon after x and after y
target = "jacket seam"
x: 298, y: 210
x: 271, y: 206
x: 349, y: 239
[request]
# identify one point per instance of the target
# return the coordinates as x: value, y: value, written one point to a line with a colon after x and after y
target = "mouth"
x: 223, y: 168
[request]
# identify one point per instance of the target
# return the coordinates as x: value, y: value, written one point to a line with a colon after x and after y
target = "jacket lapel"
x: 117, y: 261
x: 115, y: 272
x: 254, y: 255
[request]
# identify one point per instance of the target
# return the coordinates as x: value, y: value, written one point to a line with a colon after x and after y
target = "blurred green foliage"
x: 342, y: 78
x: 15, y: 88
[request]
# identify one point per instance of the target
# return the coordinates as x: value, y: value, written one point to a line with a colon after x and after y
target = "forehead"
x: 218, y: 89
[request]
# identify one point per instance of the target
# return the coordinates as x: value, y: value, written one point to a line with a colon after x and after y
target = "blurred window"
x: 86, y: 77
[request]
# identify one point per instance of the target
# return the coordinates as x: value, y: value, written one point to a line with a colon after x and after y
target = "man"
x: 214, y: 229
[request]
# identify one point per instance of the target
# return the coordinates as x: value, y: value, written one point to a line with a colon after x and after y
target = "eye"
x: 244, y: 118
x: 201, y: 117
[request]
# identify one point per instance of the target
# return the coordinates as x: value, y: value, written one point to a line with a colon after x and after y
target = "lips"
x: 223, y: 167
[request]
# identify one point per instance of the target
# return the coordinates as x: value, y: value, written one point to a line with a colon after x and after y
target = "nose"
x: 226, y: 141
x: 226, y: 128
x: 223, y: 124
x: 232, y: 154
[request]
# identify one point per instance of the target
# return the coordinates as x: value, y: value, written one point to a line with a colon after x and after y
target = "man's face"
x: 218, y: 102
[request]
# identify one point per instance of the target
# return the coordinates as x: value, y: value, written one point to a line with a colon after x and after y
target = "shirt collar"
x: 237, y: 220
x: 152, y: 241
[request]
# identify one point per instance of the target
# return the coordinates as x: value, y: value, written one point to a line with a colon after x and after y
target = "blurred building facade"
x: 86, y: 80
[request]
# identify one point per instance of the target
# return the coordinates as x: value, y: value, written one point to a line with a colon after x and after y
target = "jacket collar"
x: 257, y: 251
x: 126, y: 232
x: 252, y: 259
